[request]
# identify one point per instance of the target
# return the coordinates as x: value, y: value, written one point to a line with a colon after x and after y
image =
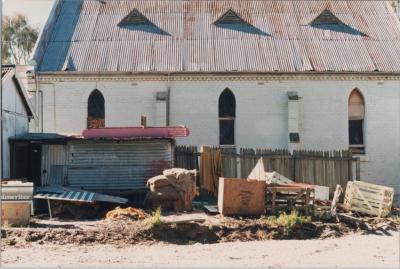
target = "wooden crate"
x: 243, y: 197
x: 289, y: 197
x: 368, y: 198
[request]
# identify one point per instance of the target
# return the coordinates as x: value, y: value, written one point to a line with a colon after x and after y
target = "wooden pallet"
x: 289, y: 197
x: 368, y: 198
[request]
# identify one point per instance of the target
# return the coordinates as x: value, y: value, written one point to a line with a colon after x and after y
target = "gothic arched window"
x: 227, y: 113
x: 96, y: 110
x: 356, y: 121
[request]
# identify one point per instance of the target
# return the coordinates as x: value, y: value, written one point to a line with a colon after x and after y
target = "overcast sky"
x: 35, y: 10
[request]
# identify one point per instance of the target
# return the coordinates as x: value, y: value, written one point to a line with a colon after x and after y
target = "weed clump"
x: 155, y: 219
x: 288, y: 221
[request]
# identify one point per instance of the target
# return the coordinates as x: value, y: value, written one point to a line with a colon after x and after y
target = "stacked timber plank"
x: 368, y: 198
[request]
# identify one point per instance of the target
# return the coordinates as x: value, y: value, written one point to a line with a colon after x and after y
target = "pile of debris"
x: 365, y: 206
x: 129, y: 212
x: 174, y: 189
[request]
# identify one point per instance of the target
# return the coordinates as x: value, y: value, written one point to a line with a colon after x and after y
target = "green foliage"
x: 155, y: 219
x: 287, y: 221
x: 18, y: 39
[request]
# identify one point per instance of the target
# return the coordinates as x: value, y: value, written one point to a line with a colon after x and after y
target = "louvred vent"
x: 230, y: 17
x: 326, y: 18
x: 327, y: 21
x: 135, y: 18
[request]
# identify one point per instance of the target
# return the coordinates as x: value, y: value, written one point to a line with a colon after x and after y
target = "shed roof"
x: 278, y: 36
x: 9, y: 72
x: 5, y: 69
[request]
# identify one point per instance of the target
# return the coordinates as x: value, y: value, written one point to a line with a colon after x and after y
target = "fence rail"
x: 326, y: 168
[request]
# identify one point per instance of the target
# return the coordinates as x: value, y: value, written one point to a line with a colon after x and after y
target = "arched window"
x: 96, y: 113
x: 356, y: 122
x: 227, y: 113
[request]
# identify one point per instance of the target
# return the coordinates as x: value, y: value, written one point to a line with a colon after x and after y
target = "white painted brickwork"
x: 261, y: 109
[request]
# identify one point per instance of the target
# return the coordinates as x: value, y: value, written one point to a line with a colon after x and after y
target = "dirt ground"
x: 198, y: 239
x: 351, y: 251
x: 176, y: 229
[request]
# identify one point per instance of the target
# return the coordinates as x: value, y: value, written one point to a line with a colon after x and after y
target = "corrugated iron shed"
x: 9, y: 72
x: 112, y: 159
x: 83, y: 35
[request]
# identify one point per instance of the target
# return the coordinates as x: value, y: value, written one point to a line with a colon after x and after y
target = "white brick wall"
x: 261, y: 109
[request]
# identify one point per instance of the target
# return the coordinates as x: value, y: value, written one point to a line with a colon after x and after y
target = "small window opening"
x: 227, y: 113
x: 96, y: 111
x: 356, y: 122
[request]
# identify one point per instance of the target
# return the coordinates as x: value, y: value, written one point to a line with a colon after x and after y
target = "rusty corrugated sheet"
x: 122, y: 165
x: 54, y: 161
x: 86, y: 37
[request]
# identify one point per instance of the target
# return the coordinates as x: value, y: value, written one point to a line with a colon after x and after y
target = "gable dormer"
x: 326, y: 18
x: 136, y: 21
x: 328, y: 21
x: 232, y: 21
x: 135, y: 17
x: 230, y: 17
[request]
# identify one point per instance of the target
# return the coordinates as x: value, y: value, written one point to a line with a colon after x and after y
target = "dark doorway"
x: 36, y: 164
x: 26, y: 161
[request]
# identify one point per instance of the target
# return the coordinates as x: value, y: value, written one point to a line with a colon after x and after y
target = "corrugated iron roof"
x: 84, y: 35
x: 75, y: 195
x: 5, y: 69
x: 67, y: 195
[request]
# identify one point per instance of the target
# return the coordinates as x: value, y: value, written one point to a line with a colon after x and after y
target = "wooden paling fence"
x: 326, y: 168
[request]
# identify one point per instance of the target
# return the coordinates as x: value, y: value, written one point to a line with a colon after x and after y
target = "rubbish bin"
x: 16, y: 202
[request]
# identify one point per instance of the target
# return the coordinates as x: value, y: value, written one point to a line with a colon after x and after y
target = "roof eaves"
x: 45, y: 34
x: 168, y: 73
x: 7, y: 71
x: 24, y: 96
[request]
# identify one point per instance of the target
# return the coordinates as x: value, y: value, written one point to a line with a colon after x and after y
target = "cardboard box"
x: 243, y: 197
x: 15, y: 214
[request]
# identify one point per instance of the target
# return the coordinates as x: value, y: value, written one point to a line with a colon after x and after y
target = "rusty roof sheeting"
x: 86, y: 37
